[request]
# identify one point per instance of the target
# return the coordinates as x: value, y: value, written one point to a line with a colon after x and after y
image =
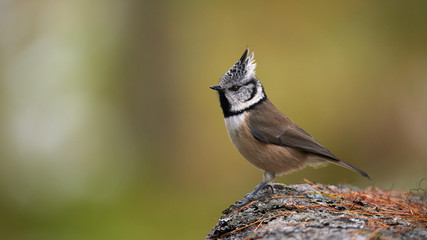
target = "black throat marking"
x: 226, y: 106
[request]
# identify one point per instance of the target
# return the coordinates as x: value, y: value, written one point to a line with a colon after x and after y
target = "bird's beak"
x: 216, y: 88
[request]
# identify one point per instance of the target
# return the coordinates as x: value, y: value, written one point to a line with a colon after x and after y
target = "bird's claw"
x: 252, y: 197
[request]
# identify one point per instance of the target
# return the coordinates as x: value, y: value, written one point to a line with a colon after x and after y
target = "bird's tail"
x: 351, y: 167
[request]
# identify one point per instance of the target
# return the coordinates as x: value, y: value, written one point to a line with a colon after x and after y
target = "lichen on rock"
x: 314, y: 211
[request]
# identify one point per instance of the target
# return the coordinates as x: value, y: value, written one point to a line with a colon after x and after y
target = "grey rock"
x: 311, y: 211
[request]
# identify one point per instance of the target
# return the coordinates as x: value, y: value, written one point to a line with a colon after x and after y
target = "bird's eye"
x: 235, y: 88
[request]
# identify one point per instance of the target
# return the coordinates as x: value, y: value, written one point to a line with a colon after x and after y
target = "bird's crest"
x: 242, y: 71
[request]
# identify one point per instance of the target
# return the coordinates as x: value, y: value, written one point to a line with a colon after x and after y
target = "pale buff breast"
x: 268, y: 157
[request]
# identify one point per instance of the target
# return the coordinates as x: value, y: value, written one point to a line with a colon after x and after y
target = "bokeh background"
x: 108, y: 128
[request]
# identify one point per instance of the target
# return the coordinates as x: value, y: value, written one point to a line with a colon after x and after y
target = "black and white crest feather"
x: 242, y: 71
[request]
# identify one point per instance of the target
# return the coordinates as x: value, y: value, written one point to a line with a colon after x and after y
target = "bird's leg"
x: 268, y: 177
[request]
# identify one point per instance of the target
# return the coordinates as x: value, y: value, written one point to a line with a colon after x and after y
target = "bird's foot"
x: 254, y: 196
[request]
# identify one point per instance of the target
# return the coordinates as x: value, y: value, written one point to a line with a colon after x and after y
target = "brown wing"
x: 279, y: 130
x: 268, y: 125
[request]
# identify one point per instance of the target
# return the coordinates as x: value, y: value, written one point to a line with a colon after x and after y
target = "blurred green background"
x: 108, y: 128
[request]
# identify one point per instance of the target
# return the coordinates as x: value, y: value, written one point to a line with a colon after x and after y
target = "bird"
x: 261, y: 132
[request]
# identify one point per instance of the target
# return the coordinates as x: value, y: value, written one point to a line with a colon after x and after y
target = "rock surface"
x: 312, y: 211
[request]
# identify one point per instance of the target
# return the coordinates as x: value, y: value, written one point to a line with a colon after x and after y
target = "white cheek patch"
x: 237, y: 106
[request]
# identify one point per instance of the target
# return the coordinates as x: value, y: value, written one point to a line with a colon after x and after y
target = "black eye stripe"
x: 251, y: 82
x: 253, y: 93
x: 237, y: 87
